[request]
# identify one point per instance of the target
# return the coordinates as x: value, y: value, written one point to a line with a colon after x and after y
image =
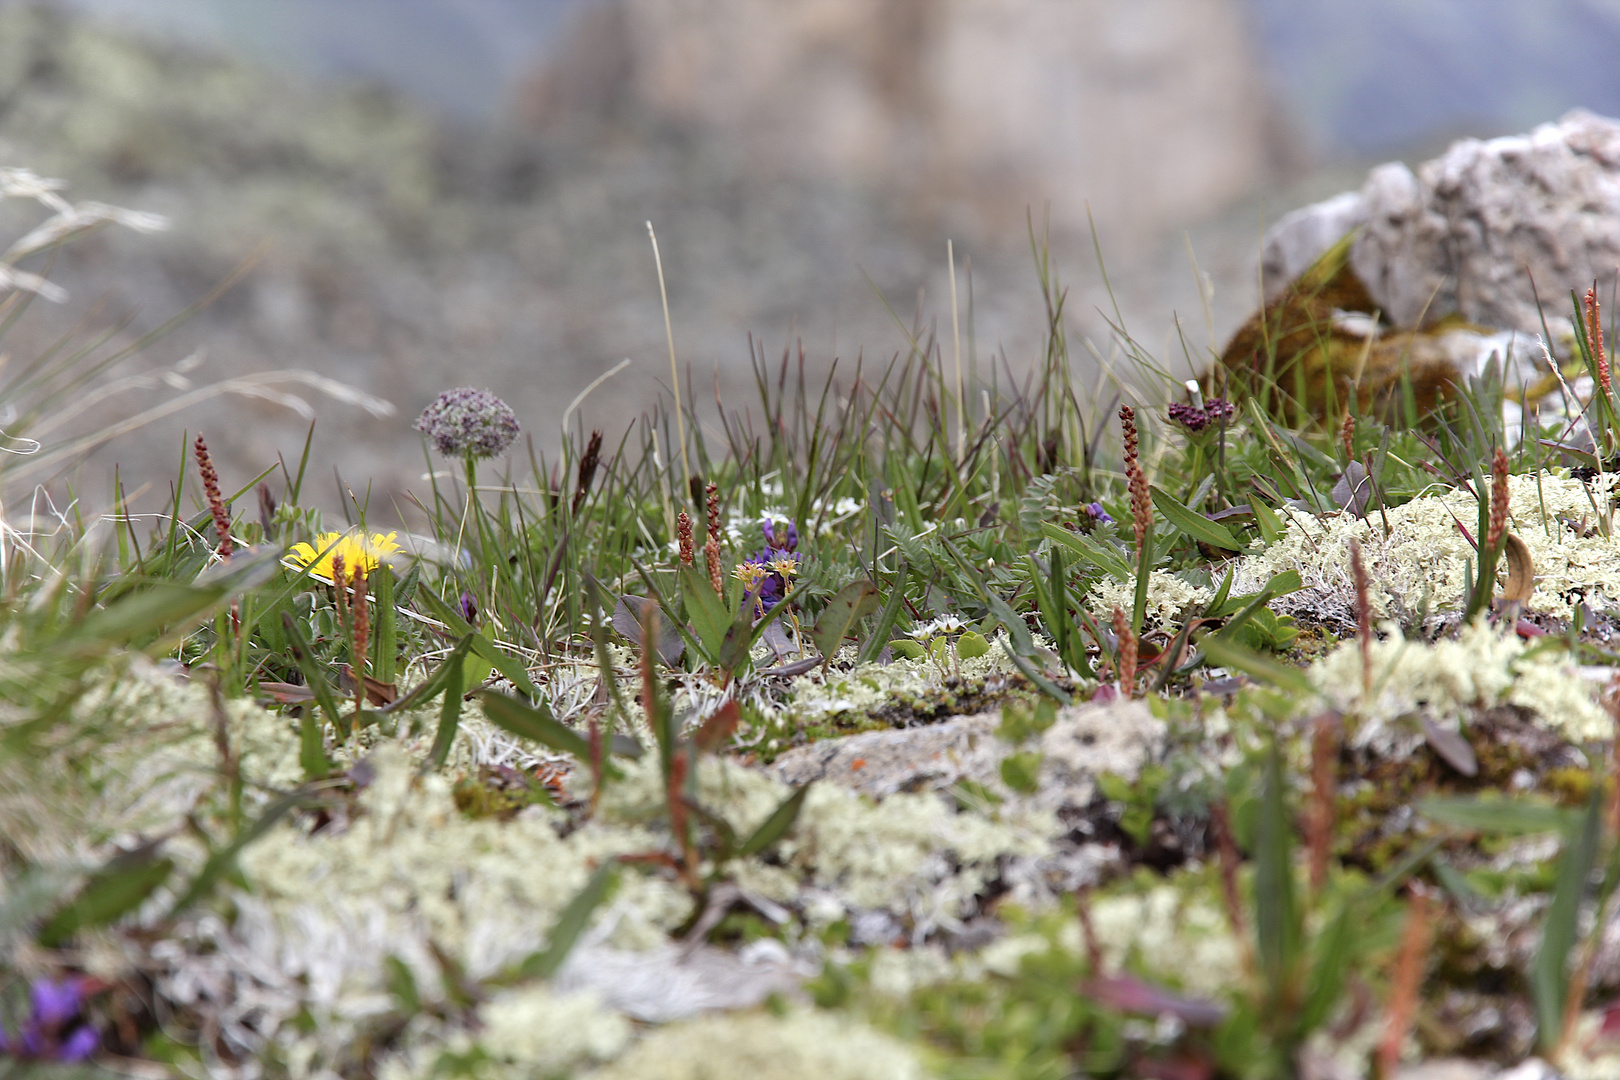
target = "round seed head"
x: 467, y: 420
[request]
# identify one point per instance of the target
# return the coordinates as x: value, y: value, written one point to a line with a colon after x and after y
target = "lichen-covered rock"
x: 1084, y: 742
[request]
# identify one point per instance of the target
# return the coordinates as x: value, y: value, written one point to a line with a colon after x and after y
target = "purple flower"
x: 467, y: 608
x: 469, y: 421
x: 1196, y: 419
x: 783, y: 537
x: 777, y: 562
x: 50, y: 1033
x: 1095, y: 511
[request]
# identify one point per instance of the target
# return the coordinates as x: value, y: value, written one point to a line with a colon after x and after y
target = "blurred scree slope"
x: 440, y: 192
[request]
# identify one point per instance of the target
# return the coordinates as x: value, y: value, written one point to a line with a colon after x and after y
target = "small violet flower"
x: 50, y: 1033
x: 469, y: 421
x: 1196, y: 419
x: 766, y: 573
x: 1093, y: 514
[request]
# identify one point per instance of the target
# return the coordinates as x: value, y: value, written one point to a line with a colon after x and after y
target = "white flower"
x: 945, y: 624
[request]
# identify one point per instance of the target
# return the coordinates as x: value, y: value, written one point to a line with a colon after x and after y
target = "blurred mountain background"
x: 451, y: 192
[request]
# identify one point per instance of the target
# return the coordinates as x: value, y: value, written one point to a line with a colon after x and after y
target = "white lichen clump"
x: 802, y: 1045
x: 1452, y: 679
x: 1169, y: 599
x: 1423, y: 561
x: 1172, y: 933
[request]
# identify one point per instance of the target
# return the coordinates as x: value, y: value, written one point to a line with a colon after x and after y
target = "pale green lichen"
x: 527, y: 1033
x: 1423, y: 561
x: 1169, y: 598
x: 802, y: 1045
x: 1170, y: 934
x: 1451, y: 679
x: 821, y: 695
x: 534, y: 1033
x: 910, y: 853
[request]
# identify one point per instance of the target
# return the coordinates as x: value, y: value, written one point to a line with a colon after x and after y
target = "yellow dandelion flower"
x: 357, y: 549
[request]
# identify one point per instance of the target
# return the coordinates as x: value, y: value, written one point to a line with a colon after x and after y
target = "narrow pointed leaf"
x: 108, y: 894
x: 314, y: 676
x: 1504, y: 817
x: 1277, y: 927
x: 777, y: 825
x: 1549, y: 978
x: 1270, y: 525
x: 571, y: 924
x: 628, y: 616
x: 534, y: 724
x: 886, y: 619
x: 1193, y: 523
x: 450, y: 711
x: 1229, y: 654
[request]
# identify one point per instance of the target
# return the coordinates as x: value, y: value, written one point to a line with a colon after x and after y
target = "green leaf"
x: 776, y: 826
x: 450, y: 712
x: 535, y: 724
x: 971, y: 645
x: 886, y: 620
x: 1045, y: 685
x: 1277, y: 922
x: 382, y: 580
x: 112, y: 891
x: 1270, y: 525
x: 1279, y: 585
x: 1229, y: 654
x: 1096, y: 552
x: 706, y: 610
x: 1218, y: 601
x: 1505, y: 817
x: 571, y: 924
x: 847, y: 607
x: 1022, y: 771
x: 1549, y: 978
x: 402, y: 985
x: 1330, y: 967
x: 1194, y: 524
x: 476, y: 672
x: 630, y: 614
x: 312, y: 749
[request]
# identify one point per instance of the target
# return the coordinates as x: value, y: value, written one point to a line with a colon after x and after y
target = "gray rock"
x: 672, y: 982
x: 1084, y: 742
x: 1299, y: 237
x: 1469, y: 231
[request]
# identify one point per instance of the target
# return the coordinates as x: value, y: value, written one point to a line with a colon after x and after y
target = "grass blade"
x: 777, y: 825
x: 1549, y: 978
